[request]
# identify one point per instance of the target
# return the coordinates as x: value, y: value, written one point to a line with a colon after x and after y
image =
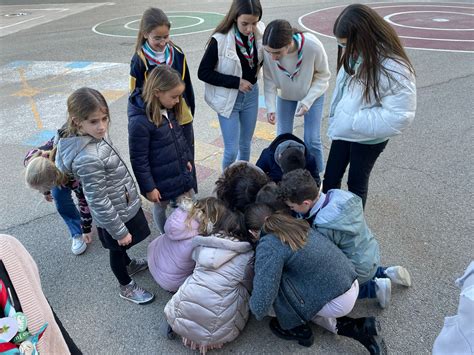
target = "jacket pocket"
x: 127, y: 195
x: 294, y: 291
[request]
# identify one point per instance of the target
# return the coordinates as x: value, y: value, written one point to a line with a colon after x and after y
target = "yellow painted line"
x: 113, y: 95
x: 30, y: 92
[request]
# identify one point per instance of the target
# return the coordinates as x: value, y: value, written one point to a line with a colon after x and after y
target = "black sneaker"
x: 303, y: 333
x: 136, y: 265
x: 365, y: 330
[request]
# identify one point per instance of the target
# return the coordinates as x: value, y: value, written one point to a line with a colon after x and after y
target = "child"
x: 374, y: 97
x: 169, y: 255
x: 229, y: 69
x: 339, y: 216
x: 300, y: 276
x: 270, y: 196
x: 41, y: 174
x: 296, y: 76
x: 287, y: 152
x: 108, y: 187
x: 161, y: 159
x: 154, y: 48
x: 211, y: 306
x: 239, y: 184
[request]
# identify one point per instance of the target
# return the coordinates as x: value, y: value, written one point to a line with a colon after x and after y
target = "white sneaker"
x: 78, y: 245
x: 383, y: 291
x: 399, y: 275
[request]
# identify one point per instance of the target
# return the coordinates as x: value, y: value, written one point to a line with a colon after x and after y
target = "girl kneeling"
x: 300, y: 276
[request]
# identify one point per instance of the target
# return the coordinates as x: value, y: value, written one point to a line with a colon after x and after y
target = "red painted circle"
x: 432, y: 26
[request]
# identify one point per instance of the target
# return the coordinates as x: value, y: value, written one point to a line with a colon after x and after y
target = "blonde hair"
x: 151, y: 19
x: 81, y: 104
x: 207, y: 211
x: 42, y: 174
x: 162, y: 78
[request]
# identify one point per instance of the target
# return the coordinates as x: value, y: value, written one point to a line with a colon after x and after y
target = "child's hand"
x: 153, y: 196
x: 245, y: 86
x: 125, y: 240
x: 48, y: 197
x: 301, y: 111
x: 189, y: 166
x: 87, y: 237
x: 271, y: 117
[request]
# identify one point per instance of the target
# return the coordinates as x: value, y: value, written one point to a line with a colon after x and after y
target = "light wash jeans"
x: 67, y: 209
x: 286, y: 110
x: 237, y: 130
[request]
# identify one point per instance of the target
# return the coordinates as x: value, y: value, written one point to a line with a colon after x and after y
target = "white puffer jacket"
x: 352, y: 119
x: 219, y: 98
x: 212, y: 306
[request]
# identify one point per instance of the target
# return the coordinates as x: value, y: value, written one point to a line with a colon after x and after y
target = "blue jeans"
x: 367, y: 289
x: 67, y: 209
x: 286, y: 110
x: 237, y: 130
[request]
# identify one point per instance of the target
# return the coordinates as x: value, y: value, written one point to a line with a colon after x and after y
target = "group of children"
x: 271, y: 242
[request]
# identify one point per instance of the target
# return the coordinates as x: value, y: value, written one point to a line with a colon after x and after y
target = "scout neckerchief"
x: 151, y: 55
x: 299, y: 39
x: 250, y: 43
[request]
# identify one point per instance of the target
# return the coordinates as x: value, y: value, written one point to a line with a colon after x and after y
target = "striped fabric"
x: 250, y: 42
x: 299, y: 38
x: 150, y: 54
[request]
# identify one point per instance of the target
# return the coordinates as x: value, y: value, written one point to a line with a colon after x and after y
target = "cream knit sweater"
x: 24, y: 276
x: 311, y: 82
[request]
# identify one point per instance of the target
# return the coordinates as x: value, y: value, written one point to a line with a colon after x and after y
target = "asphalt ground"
x: 420, y: 193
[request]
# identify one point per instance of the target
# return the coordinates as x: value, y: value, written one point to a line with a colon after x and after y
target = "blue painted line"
x: 78, y: 65
x: 261, y: 102
x: 39, y: 138
x: 18, y: 63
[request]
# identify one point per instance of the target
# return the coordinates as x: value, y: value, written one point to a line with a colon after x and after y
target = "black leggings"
x: 360, y: 158
x: 119, y: 260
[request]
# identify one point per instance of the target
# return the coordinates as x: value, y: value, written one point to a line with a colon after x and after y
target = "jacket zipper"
x: 175, y: 141
x: 288, y: 282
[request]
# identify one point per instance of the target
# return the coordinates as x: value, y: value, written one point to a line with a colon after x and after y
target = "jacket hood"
x: 176, y: 227
x: 343, y: 211
x: 283, y: 137
x: 68, y: 149
x: 285, y: 145
x: 214, y: 251
x: 136, y: 105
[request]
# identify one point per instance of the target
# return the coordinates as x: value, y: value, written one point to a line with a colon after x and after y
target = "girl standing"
x: 154, y: 48
x: 110, y: 191
x: 42, y: 174
x: 229, y: 69
x: 169, y: 255
x: 300, y: 276
x: 374, y: 98
x: 296, y: 76
x: 160, y: 156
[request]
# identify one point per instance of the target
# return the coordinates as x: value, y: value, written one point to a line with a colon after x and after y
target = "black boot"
x: 365, y: 330
x: 303, y: 333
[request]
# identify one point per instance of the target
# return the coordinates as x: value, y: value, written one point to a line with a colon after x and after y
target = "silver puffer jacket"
x: 108, y: 186
x: 212, y: 306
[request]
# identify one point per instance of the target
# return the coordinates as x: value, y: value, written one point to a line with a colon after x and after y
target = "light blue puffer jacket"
x: 341, y: 219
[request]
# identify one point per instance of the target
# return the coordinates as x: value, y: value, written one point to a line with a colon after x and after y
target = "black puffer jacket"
x: 159, y: 155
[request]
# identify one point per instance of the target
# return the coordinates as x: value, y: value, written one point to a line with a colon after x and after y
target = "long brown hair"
x: 207, y: 211
x: 291, y: 231
x: 151, y: 18
x: 278, y: 34
x: 80, y: 105
x: 239, y: 7
x: 370, y: 36
x: 162, y: 78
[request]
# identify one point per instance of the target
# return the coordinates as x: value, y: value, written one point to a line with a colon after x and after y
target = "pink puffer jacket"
x: 169, y: 256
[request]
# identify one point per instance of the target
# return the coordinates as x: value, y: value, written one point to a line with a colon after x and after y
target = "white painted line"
x: 19, y: 23
x: 300, y: 22
x: 387, y: 18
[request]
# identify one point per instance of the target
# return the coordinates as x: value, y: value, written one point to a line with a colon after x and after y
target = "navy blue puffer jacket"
x: 159, y: 155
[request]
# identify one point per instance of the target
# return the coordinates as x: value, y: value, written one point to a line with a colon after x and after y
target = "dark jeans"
x: 367, y: 289
x: 360, y: 158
